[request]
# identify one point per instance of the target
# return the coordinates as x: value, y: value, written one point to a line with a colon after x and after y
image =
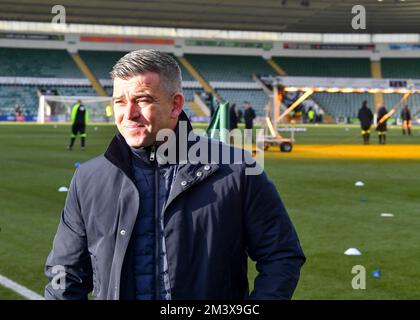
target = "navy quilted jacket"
x: 215, y: 218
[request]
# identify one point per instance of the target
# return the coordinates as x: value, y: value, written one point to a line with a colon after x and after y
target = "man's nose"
x: 133, y: 110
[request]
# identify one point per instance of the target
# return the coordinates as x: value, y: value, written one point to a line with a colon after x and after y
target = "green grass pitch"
x: 319, y: 193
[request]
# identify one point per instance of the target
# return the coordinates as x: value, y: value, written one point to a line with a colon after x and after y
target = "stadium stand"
x: 185, y: 74
x: 25, y: 96
x: 229, y: 75
x: 189, y: 96
x: 343, y: 105
x: 101, y: 62
x: 257, y: 98
x: 76, y: 91
x: 40, y: 63
x: 408, y: 68
x: 229, y: 68
x: 37, y: 63
x: 325, y: 67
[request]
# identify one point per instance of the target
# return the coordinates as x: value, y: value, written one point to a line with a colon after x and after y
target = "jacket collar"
x: 188, y: 175
x: 120, y: 154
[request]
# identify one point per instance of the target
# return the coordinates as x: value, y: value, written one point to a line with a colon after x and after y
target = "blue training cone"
x: 376, y: 273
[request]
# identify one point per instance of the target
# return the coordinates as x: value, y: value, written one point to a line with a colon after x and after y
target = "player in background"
x: 79, y: 120
x: 365, y: 116
x: 109, y: 113
x: 381, y: 127
x: 406, y: 117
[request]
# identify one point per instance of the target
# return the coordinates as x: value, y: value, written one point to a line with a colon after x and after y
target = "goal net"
x: 58, y: 108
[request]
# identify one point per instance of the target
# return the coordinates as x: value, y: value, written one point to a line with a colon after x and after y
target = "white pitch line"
x: 16, y: 287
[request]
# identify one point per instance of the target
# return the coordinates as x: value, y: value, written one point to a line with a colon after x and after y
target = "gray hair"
x: 150, y: 60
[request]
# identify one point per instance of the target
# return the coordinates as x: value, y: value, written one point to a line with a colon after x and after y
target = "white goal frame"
x: 95, y: 114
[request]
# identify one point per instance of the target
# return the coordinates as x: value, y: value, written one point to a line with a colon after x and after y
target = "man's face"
x: 142, y: 108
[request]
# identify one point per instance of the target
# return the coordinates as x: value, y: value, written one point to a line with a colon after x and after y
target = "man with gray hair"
x: 137, y: 227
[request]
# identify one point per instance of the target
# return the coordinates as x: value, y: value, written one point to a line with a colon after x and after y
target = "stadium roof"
x: 318, y: 16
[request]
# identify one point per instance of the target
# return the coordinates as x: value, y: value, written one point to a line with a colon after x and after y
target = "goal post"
x: 407, y: 91
x: 58, y: 108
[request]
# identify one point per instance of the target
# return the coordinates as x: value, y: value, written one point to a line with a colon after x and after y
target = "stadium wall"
x: 179, y: 47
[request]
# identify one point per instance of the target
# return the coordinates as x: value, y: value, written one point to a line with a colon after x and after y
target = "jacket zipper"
x: 157, y: 225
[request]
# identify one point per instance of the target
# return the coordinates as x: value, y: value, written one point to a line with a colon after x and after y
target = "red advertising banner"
x: 154, y: 41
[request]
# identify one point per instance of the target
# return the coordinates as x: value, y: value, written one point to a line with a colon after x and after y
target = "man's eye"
x: 143, y: 102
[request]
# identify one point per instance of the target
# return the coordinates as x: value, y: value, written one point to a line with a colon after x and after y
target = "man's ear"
x: 178, y: 101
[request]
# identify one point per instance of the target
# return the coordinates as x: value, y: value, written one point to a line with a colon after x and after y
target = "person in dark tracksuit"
x: 365, y: 116
x: 138, y: 225
x: 249, y: 116
x: 233, y: 117
x: 79, y: 120
x: 406, y: 118
x: 381, y: 127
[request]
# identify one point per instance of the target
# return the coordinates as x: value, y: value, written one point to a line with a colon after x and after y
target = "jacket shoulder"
x: 94, y: 163
x: 96, y: 168
x: 227, y: 154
